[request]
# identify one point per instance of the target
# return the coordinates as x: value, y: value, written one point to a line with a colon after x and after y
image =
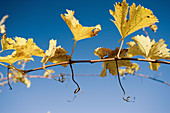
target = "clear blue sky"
x: 40, y: 19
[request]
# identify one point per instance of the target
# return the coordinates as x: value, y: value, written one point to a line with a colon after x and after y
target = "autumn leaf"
x: 139, y: 17
x: 159, y: 51
x: 55, y: 54
x: 143, y: 46
x: 52, y: 46
x: 20, y: 77
x: 129, y: 69
x: 102, y: 52
x: 7, y: 43
x: 29, y: 47
x: 77, y: 29
x: 148, y: 49
x: 15, y: 56
x: 111, y: 65
x: 23, y: 49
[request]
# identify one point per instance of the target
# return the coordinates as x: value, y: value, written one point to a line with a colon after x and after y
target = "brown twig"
x: 95, y: 61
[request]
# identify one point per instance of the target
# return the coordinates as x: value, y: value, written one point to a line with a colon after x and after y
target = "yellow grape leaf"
x: 134, y: 66
x: 7, y: 43
x: 52, y: 47
x: 133, y: 49
x: 15, y: 56
x: 102, y: 52
x: 104, y: 70
x: 143, y: 46
x: 28, y: 47
x: 77, y: 29
x: 59, y: 59
x: 20, y: 41
x: 59, y: 51
x: 25, y: 81
x: 148, y: 49
x: 154, y: 66
x: 139, y: 17
x: 23, y: 49
x: 111, y: 65
x: 159, y: 51
x: 129, y: 69
x: 122, y: 72
x: 55, y: 54
x: 20, y: 77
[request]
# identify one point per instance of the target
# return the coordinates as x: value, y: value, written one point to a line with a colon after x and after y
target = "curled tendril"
x: 128, y: 98
x: 62, y: 77
x: 78, y: 88
x: 10, y: 88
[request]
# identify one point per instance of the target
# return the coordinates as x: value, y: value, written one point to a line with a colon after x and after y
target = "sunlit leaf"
x: 55, y: 54
x: 15, y: 56
x: 149, y: 49
x: 29, y: 47
x: 139, y: 17
x: 7, y: 43
x: 102, y: 52
x: 77, y: 29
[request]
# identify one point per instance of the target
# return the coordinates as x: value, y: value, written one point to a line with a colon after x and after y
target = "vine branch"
x: 95, y: 61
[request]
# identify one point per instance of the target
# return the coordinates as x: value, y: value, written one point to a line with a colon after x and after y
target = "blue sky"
x: 41, y: 21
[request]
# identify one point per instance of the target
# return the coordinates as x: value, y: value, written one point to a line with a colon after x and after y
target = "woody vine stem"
x: 89, y: 61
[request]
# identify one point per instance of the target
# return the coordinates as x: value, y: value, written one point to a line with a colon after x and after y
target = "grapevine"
x: 118, y: 61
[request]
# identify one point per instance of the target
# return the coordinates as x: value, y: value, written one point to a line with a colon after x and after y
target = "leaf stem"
x: 73, y: 48
x: 120, y: 48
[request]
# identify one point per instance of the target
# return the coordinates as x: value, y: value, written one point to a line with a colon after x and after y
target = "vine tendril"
x: 78, y: 87
x: 10, y: 88
x: 124, y: 92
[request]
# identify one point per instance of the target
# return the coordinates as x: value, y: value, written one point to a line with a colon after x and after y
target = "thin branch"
x: 161, y: 81
x: 95, y: 61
